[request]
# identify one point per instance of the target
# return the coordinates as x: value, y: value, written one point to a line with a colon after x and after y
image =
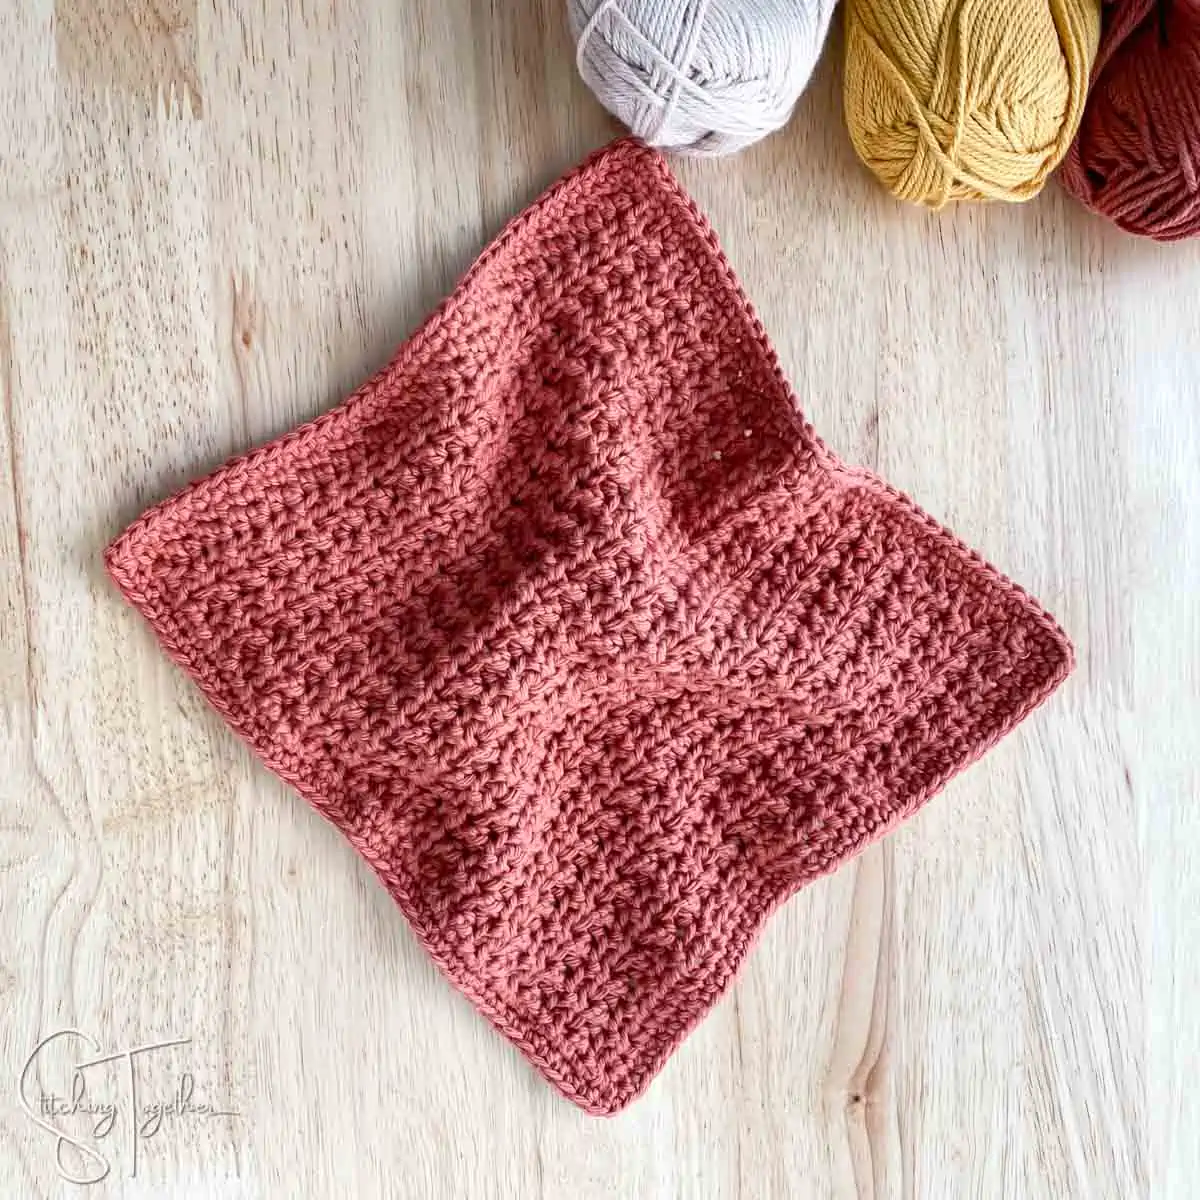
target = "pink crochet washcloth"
x: 580, y: 635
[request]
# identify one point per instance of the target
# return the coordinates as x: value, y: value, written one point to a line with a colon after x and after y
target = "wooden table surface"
x: 216, y: 219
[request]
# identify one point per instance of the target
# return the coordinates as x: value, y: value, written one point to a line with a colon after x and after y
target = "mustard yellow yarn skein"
x: 967, y: 99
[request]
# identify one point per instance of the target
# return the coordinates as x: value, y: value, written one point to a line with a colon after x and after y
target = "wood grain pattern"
x: 215, y: 220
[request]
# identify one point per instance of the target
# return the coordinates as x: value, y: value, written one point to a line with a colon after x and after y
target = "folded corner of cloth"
x: 581, y: 636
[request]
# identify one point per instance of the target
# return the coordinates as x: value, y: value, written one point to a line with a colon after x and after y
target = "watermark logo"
x: 108, y: 1103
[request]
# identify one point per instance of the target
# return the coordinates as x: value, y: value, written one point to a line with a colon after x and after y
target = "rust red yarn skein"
x: 1136, y: 158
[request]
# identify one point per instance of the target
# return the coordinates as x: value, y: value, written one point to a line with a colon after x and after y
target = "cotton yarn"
x: 573, y: 627
x: 967, y: 99
x: 1137, y: 156
x: 699, y: 76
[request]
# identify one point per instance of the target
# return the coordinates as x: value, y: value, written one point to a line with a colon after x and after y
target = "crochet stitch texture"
x: 581, y: 636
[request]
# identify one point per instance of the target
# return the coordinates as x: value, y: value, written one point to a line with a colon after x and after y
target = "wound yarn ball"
x: 967, y: 99
x: 700, y: 77
x: 1136, y: 159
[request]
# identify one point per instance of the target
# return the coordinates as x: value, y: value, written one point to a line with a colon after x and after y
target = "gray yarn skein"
x: 699, y: 76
